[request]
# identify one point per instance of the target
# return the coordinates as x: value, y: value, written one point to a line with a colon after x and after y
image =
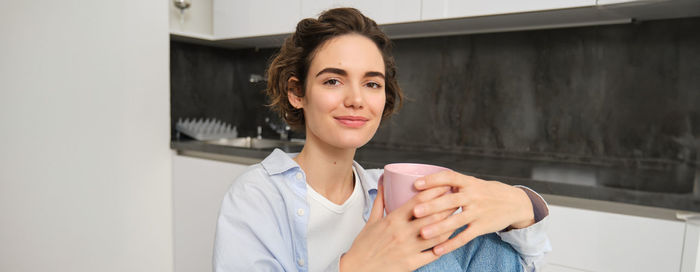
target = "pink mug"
x: 398, y: 179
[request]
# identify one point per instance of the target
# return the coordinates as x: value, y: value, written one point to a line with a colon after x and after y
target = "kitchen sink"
x: 256, y: 143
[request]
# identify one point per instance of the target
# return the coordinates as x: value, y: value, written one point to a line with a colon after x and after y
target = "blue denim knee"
x: 485, y: 253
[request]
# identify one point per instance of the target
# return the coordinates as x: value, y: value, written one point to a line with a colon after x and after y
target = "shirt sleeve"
x: 247, y: 234
x: 532, y: 242
x: 334, y: 266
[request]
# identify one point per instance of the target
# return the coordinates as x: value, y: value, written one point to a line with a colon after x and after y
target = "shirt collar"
x: 279, y: 162
x: 369, y: 185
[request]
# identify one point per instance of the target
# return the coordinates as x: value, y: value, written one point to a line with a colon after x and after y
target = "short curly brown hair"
x: 298, y: 50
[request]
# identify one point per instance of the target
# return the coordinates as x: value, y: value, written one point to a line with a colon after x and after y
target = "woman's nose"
x: 353, y: 97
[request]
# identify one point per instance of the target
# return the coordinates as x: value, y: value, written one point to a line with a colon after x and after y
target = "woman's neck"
x: 328, y: 169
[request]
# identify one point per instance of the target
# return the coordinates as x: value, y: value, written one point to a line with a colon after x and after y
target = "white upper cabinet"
x: 609, y: 2
x: 445, y: 9
x: 265, y: 23
x: 195, y: 21
x: 243, y: 18
x: 381, y: 11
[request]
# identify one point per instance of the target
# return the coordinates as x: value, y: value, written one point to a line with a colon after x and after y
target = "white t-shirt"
x: 332, y: 227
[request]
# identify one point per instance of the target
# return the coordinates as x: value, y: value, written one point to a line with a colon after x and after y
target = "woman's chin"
x: 346, y: 139
x: 349, y: 143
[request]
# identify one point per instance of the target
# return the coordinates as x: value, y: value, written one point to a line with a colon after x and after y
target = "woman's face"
x: 345, y: 94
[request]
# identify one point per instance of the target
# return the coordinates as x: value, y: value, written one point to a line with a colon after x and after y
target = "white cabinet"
x: 609, y: 2
x: 195, y: 21
x: 444, y: 9
x: 381, y: 11
x: 243, y: 18
x: 691, y: 246
x: 199, y: 186
x: 585, y: 240
x: 240, y: 19
x: 265, y: 23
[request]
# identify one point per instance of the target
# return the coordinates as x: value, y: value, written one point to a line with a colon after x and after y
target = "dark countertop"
x: 669, y: 186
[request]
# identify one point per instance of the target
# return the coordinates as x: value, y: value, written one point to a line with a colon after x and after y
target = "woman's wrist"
x: 526, y: 212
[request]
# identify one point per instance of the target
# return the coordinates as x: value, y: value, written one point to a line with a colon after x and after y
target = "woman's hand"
x: 393, y: 243
x: 487, y: 206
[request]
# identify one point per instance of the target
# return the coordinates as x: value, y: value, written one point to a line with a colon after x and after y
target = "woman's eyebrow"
x: 374, y: 74
x: 344, y: 73
x: 333, y: 71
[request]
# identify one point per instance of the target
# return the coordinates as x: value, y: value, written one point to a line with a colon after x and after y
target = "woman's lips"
x: 352, y: 121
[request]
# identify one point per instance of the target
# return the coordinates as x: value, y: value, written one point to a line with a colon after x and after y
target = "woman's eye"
x: 332, y: 82
x: 374, y: 85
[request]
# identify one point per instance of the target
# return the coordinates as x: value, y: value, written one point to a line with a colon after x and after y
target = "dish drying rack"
x: 206, y: 129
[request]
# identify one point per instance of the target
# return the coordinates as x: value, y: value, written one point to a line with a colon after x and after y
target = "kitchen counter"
x: 594, y: 185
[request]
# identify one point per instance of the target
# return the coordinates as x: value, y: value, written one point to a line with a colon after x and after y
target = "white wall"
x: 85, y: 168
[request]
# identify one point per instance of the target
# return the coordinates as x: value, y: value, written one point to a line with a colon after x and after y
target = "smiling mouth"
x: 352, y: 121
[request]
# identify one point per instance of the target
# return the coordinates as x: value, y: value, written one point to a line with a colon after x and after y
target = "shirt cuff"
x: 539, y: 205
x: 531, y: 243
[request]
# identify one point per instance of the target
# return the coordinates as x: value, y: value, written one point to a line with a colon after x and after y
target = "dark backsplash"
x: 209, y: 82
x: 622, y: 92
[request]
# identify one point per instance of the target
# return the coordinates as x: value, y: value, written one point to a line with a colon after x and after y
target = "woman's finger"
x: 406, y: 210
x: 378, y: 206
x: 422, y: 259
x: 430, y: 194
x: 420, y: 223
x: 444, y: 178
x: 432, y: 242
x: 456, y: 242
x: 427, y: 255
x: 444, y: 202
x: 447, y: 226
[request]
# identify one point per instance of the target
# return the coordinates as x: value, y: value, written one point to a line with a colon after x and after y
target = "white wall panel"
x: 85, y: 167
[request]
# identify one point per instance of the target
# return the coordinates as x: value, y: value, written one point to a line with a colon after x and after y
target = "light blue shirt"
x: 264, y: 218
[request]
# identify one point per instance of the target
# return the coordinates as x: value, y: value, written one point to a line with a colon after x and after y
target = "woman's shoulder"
x: 254, y: 180
x: 255, y: 173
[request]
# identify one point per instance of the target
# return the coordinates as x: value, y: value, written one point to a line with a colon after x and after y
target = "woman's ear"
x: 294, y: 92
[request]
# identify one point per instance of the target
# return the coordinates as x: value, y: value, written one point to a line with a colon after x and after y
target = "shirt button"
x: 300, y: 262
x: 300, y: 212
x: 300, y: 176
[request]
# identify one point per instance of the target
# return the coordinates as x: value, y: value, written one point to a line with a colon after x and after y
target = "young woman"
x: 319, y: 210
